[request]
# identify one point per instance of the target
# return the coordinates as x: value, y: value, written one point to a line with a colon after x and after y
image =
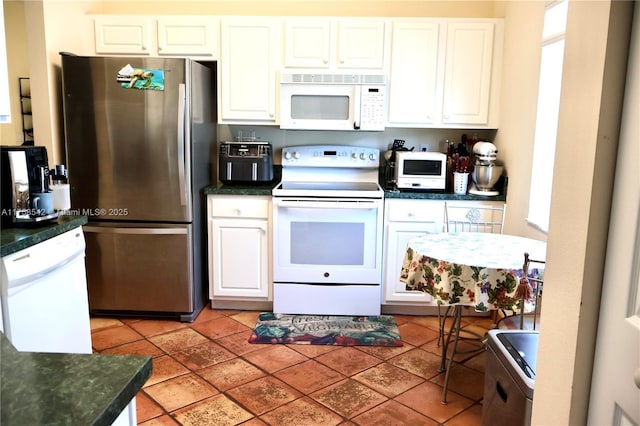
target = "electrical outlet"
x: 424, y: 147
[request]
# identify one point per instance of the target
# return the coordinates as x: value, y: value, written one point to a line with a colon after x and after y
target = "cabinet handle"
x: 144, y: 47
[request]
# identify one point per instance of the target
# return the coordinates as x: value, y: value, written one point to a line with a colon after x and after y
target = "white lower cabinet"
x: 406, y: 219
x: 239, y: 247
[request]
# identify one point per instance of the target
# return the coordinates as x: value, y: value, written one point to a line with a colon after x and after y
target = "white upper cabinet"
x: 467, y: 77
x: 324, y: 43
x: 145, y: 35
x: 194, y: 35
x: 249, y: 61
x: 307, y: 43
x: 445, y: 73
x: 413, y: 88
x: 124, y: 34
x: 361, y: 43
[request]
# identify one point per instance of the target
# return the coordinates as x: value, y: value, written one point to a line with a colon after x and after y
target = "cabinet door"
x: 406, y: 219
x: 413, y: 84
x: 307, y: 43
x: 195, y: 35
x: 124, y: 35
x: 397, y: 239
x: 240, y: 263
x: 249, y: 61
x: 361, y: 43
x: 468, y: 67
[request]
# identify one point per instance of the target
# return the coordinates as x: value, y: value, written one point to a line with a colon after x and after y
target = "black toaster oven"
x: 245, y: 162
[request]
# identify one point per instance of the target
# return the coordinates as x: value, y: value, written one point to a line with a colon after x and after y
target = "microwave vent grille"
x: 333, y: 78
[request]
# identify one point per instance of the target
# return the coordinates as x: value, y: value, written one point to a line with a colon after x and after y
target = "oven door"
x: 327, y: 241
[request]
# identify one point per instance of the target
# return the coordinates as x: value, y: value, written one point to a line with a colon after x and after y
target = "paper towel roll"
x: 61, y: 196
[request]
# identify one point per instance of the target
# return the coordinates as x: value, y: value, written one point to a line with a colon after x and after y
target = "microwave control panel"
x: 372, y: 107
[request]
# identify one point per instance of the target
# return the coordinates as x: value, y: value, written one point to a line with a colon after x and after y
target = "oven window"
x: 422, y: 167
x: 320, y: 107
x: 327, y: 243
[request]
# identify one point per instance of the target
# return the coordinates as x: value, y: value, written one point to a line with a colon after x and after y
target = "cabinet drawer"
x: 415, y: 211
x: 233, y: 206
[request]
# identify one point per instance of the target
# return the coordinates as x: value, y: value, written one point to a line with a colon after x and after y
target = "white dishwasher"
x: 45, y: 305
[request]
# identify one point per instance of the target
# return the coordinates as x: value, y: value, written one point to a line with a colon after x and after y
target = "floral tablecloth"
x: 468, y: 268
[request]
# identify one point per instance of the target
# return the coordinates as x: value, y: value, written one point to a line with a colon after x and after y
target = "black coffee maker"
x: 390, y: 164
x: 24, y: 186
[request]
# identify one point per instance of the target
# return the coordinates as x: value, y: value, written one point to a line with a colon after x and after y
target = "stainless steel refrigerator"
x: 139, y: 139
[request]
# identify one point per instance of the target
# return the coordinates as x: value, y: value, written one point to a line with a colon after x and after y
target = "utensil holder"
x: 460, y: 182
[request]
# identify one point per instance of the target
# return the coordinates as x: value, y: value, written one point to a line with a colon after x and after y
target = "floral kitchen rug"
x: 326, y: 330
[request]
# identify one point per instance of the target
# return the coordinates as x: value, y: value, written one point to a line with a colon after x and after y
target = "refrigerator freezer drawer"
x: 140, y: 267
x: 504, y: 402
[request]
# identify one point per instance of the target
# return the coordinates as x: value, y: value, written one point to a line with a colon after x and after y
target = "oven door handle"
x: 327, y: 204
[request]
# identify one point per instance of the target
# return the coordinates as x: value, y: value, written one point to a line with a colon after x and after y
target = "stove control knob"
x: 372, y: 157
x: 362, y: 156
x: 296, y: 155
x: 354, y: 155
x: 287, y: 155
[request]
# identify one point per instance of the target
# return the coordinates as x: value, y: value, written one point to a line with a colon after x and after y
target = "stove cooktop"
x: 329, y: 189
x: 330, y: 186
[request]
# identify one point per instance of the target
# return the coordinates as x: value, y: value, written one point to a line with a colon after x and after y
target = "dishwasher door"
x: 45, y: 306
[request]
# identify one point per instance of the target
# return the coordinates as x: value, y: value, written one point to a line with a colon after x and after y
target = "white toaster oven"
x: 420, y: 170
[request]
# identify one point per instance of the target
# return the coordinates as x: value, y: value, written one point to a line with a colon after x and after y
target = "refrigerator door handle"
x: 181, y: 139
x: 125, y: 230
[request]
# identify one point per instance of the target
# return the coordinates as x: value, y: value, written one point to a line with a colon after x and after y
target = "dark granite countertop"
x: 241, y: 189
x: 433, y: 195
x: 67, y: 389
x: 266, y: 188
x: 19, y: 238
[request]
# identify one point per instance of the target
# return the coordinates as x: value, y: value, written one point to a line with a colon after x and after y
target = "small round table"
x: 469, y: 268
x: 459, y: 269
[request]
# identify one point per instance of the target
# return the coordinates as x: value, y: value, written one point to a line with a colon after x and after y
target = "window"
x: 550, y: 83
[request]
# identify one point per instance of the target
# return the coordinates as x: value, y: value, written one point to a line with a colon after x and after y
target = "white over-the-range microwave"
x: 420, y: 170
x: 333, y: 101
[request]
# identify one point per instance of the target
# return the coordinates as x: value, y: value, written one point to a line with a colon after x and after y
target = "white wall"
x: 521, y: 65
x: 18, y: 66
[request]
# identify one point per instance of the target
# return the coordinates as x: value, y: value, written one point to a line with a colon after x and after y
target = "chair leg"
x: 457, y: 322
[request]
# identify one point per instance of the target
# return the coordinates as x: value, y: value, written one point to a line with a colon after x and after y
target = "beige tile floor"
x: 206, y: 373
